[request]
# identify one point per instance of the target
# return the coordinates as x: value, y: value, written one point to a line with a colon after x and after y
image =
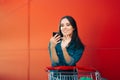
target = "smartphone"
x: 54, y: 33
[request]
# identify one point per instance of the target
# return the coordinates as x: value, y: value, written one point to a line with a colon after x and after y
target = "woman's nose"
x: 65, y: 27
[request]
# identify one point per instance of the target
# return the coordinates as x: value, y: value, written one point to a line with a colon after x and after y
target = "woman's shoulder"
x: 76, y: 45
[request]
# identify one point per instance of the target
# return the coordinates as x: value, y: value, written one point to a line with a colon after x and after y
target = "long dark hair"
x: 75, y: 37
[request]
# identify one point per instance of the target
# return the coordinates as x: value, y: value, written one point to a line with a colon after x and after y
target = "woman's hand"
x: 55, y: 40
x: 65, y: 41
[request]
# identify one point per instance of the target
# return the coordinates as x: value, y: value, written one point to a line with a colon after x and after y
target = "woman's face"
x: 66, y: 27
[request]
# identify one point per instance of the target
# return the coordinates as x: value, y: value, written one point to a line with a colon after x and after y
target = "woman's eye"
x: 68, y: 24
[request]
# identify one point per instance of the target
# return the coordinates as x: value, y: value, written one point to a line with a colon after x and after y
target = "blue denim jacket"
x: 75, y: 54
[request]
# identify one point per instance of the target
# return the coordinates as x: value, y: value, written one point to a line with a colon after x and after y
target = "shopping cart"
x: 73, y: 73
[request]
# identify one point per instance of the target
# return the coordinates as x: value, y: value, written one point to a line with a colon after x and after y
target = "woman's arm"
x: 53, y: 54
x: 67, y: 57
x: 74, y: 57
x: 76, y: 53
x: 53, y: 42
x: 65, y: 42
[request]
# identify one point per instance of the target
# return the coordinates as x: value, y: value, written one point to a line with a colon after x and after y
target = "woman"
x: 66, y: 47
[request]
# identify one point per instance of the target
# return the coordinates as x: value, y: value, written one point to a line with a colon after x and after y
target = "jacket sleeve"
x: 52, y: 62
x: 75, y: 56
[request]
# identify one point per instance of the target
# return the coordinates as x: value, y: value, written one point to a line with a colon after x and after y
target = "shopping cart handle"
x: 62, y: 68
x: 86, y: 68
x: 71, y: 68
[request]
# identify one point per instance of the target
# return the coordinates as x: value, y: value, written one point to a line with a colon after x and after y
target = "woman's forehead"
x: 65, y: 20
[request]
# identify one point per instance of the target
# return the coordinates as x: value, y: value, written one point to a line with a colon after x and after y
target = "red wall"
x: 27, y: 25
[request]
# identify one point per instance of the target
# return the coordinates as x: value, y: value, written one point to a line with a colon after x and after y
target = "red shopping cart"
x: 72, y: 73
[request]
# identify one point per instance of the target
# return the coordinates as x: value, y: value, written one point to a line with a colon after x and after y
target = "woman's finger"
x: 55, y: 35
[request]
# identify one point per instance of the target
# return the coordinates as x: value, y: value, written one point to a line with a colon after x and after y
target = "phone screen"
x: 54, y: 33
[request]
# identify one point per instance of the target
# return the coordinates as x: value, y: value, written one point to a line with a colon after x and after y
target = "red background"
x: 27, y: 25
